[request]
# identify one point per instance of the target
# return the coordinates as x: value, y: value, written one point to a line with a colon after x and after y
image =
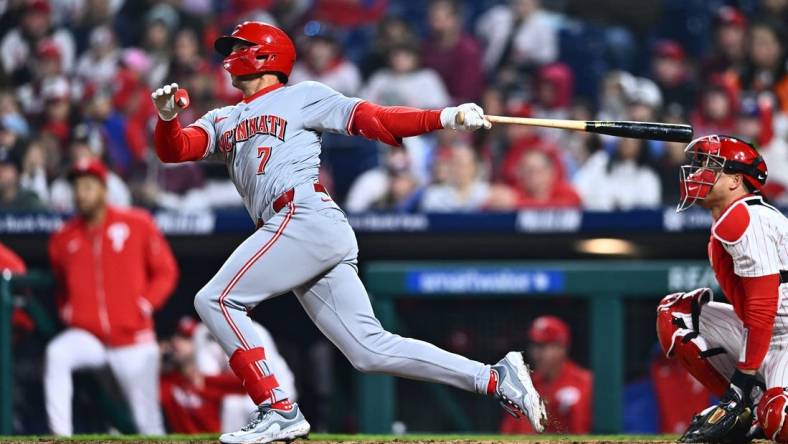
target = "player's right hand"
x: 169, y: 99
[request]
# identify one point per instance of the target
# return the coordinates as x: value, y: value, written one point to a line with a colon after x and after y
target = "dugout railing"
x: 605, y: 285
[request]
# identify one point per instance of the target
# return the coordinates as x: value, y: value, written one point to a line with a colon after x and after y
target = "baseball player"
x: 736, y: 350
x: 270, y: 143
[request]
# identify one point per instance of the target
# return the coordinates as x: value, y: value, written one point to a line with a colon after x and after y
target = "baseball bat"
x: 636, y: 130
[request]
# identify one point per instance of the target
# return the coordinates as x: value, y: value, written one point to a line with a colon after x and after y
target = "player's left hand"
x: 730, y: 420
x: 468, y: 116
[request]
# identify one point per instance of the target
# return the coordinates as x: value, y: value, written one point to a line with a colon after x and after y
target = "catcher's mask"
x: 710, y: 156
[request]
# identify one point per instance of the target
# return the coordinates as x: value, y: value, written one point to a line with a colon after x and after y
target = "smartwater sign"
x: 485, y: 281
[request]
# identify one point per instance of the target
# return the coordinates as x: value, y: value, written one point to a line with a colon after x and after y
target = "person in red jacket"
x: 565, y: 386
x: 114, y: 269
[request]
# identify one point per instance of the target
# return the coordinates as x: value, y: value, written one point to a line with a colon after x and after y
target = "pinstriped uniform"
x: 762, y: 250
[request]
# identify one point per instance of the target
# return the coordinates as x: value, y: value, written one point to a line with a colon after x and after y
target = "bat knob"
x: 182, y: 98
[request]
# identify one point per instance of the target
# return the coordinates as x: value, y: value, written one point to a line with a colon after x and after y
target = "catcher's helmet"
x: 270, y: 50
x: 711, y: 155
x: 772, y: 411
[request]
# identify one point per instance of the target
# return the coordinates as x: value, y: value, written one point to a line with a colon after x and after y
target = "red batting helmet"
x: 771, y: 412
x: 270, y: 50
x: 711, y: 155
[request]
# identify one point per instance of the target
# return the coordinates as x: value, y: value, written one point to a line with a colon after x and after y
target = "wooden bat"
x: 636, y: 130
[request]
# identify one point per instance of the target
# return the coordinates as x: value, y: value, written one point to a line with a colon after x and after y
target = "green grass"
x: 364, y: 438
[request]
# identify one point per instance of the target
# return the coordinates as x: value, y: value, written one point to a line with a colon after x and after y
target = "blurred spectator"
x: 210, y: 361
x: 767, y: 68
x: 388, y: 187
x: 553, y: 91
x: 98, y: 65
x: 109, y: 315
x: 541, y: 182
x: 391, y: 33
x: 80, y: 150
x: 729, y: 51
x: 679, y: 395
x: 323, y: 62
x: 518, y: 34
x: 161, y: 22
x: 12, y: 195
x: 565, y: 386
x: 672, y: 74
x: 462, y: 190
x: 18, y: 47
x: 190, y: 400
x: 453, y: 53
x: 754, y: 123
x: 349, y: 13
x: 615, y: 95
x: 623, y: 180
x: 716, y: 111
x: 406, y: 83
x: 33, y: 177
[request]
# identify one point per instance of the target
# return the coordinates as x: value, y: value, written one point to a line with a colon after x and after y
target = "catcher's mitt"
x: 726, y: 423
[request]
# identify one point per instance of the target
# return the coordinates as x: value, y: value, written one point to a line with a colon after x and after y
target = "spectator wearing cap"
x: 519, y: 33
x: 81, y: 149
x: 566, y: 387
x: 324, y: 62
x: 191, y: 400
x: 18, y: 47
x: 454, y: 54
x: 672, y: 74
x: 405, y: 82
x: 12, y: 195
x: 729, y: 53
x: 553, y: 89
x: 113, y: 269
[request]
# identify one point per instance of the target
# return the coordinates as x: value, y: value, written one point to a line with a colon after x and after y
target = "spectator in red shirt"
x: 114, y: 269
x: 565, y: 386
x: 453, y: 53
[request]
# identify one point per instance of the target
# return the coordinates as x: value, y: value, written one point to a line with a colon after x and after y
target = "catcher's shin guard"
x: 677, y: 330
x: 772, y: 415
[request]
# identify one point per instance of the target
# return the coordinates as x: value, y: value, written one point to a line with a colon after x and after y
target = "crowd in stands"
x: 76, y: 77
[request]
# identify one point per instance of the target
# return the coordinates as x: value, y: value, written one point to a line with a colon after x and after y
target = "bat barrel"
x: 642, y: 130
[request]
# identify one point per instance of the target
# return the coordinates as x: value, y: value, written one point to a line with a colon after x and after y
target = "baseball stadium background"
x: 464, y: 240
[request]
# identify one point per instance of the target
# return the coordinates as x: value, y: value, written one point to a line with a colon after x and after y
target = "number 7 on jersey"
x: 263, y: 153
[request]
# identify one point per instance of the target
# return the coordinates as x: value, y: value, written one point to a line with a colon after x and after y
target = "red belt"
x: 287, y: 197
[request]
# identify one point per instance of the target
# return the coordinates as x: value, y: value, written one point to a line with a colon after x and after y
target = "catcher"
x: 736, y: 349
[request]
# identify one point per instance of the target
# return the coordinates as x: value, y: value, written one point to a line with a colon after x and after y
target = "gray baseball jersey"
x: 271, y: 144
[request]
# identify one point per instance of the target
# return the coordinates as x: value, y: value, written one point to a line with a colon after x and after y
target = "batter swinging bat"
x: 636, y: 130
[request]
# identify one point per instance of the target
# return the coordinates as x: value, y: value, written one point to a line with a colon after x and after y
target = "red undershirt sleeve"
x: 389, y: 124
x: 175, y: 144
x: 760, y: 310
